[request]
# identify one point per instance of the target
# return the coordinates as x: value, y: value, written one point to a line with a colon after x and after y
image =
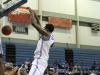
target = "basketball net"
x: 20, y: 28
x: 21, y: 14
x: 20, y: 19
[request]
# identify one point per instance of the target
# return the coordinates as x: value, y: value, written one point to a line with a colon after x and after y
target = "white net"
x: 20, y: 28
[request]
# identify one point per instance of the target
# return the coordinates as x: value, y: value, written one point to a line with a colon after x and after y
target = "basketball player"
x: 1, y: 61
x: 44, y: 45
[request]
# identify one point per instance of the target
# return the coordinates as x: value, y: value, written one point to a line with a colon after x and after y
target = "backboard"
x: 7, y: 6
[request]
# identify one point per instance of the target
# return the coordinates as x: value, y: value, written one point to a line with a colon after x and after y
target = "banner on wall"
x: 21, y: 14
x: 60, y: 22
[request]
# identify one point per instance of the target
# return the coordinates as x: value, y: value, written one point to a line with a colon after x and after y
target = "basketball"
x: 6, y: 30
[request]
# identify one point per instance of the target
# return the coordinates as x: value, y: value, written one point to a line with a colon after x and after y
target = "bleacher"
x: 57, y: 53
x: 26, y: 51
x: 84, y: 57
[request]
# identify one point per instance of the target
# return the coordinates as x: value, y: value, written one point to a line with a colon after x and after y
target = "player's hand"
x: 35, y: 15
x: 30, y: 10
x: 32, y: 16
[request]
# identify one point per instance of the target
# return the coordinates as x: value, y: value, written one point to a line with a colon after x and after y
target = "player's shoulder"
x: 52, y: 37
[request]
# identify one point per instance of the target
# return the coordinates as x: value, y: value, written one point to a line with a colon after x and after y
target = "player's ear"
x: 46, y: 29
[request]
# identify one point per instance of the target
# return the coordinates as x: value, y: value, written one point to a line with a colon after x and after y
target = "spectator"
x: 55, y: 66
x: 77, y: 67
x: 22, y: 66
x: 9, y: 70
x: 65, y: 65
x: 23, y: 71
x: 93, y: 67
x: 27, y: 64
x: 55, y: 62
x: 46, y: 72
x: 70, y: 67
x: 98, y: 72
x: 52, y: 71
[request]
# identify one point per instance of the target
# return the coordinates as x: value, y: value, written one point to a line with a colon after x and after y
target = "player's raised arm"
x: 37, y: 18
x: 36, y: 24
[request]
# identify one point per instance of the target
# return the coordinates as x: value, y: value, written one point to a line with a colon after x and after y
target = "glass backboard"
x: 7, y: 6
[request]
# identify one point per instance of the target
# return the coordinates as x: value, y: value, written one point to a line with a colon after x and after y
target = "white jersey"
x: 43, y: 47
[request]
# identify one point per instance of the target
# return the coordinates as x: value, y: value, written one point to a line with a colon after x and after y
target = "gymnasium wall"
x: 88, y: 11
x: 89, y: 8
x: 63, y: 35
x: 32, y: 3
x: 87, y: 37
x: 59, y: 6
x: 86, y: 8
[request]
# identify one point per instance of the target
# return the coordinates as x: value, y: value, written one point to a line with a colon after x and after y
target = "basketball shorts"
x: 38, y: 67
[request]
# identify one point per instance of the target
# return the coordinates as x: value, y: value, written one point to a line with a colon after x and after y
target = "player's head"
x: 49, y: 28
